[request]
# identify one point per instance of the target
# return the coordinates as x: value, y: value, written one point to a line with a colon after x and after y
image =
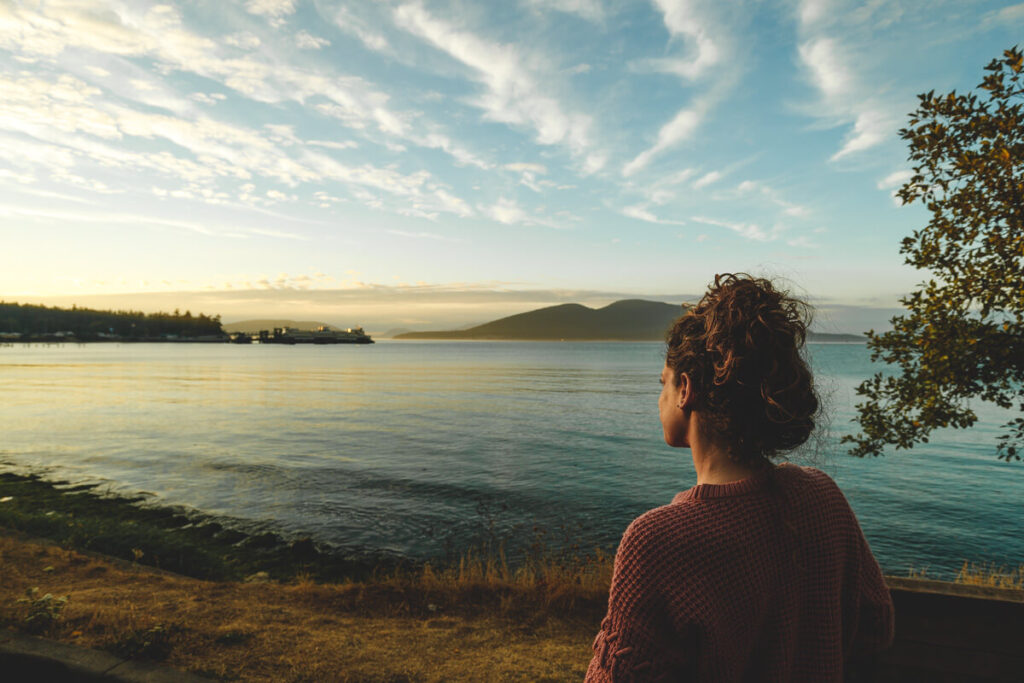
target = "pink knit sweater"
x: 764, y: 579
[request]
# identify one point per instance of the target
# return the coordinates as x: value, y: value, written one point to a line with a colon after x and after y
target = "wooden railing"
x: 949, y: 633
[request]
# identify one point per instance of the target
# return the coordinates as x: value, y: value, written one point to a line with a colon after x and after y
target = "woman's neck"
x: 720, y: 471
x: 712, y: 463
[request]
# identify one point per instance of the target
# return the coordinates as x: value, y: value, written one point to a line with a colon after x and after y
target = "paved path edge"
x: 30, y: 658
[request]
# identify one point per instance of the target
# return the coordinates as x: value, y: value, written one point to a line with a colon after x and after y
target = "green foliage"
x: 88, y: 324
x: 43, y: 612
x: 962, y: 336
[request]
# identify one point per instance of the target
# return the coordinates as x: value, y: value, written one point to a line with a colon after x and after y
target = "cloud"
x: 66, y: 116
x: 1005, y: 16
x: 753, y: 187
x: 333, y: 144
x: 348, y: 22
x: 641, y: 213
x: 158, y: 33
x: 893, y: 182
x: 462, y: 156
x: 513, y: 95
x: 207, y: 98
x: 751, y: 231
x: 895, y: 179
x: 591, y: 10
x: 307, y: 41
x: 845, y: 97
x: 685, y: 19
x: 521, y: 167
x: 707, y: 179
x: 680, y: 128
x: 452, y: 204
x: 245, y: 41
x: 506, y: 211
x: 274, y: 10
x: 690, y: 22
x: 812, y: 12
x: 112, y: 218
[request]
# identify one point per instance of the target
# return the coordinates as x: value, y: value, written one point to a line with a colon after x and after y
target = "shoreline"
x: 160, y: 585
x: 137, y: 528
x: 185, y: 541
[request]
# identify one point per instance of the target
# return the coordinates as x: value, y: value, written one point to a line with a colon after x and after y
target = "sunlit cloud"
x: 513, y: 94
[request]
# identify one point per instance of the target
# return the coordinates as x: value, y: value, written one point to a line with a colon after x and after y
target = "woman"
x: 759, y: 572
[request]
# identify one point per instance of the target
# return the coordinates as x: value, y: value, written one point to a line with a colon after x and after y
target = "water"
x: 419, y: 448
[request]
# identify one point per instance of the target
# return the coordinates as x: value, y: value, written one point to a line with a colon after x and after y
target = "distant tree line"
x: 86, y: 323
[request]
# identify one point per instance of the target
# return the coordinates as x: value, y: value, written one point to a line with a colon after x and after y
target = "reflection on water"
x: 412, y: 447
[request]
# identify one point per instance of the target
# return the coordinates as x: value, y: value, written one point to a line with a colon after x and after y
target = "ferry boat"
x: 321, y: 335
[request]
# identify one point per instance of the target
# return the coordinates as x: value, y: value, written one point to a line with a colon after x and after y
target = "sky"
x: 417, y: 164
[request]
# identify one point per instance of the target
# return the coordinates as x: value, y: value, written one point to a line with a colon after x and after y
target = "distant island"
x: 626, y: 320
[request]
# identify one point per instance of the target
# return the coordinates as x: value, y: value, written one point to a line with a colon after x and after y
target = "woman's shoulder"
x: 668, y: 525
x: 808, y: 477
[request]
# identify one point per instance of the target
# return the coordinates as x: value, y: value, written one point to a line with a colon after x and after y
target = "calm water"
x: 415, y: 448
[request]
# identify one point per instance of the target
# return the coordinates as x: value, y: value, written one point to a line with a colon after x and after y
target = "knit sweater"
x: 765, y: 579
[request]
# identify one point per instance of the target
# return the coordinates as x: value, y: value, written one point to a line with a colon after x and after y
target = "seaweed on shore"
x: 178, y: 540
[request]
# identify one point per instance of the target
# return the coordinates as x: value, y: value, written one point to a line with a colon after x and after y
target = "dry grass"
x: 991, y: 575
x: 478, y: 621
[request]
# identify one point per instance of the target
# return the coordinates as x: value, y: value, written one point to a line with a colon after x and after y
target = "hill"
x: 269, y: 324
x: 626, y: 320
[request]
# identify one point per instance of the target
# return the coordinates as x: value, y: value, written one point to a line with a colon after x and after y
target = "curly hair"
x: 741, y: 347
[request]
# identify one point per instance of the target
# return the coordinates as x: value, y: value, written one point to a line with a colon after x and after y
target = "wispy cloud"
x: 139, y: 220
x: 642, y: 213
x: 846, y: 98
x: 275, y: 10
x: 690, y: 22
x: 509, y: 212
x: 894, y: 179
x: 707, y: 179
x: 513, y: 92
x: 687, y: 20
x: 346, y: 20
x: 767, y: 192
x: 307, y: 41
x: 1014, y: 14
x: 160, y: 33
x: 751, y: 231
x: 591, y: 10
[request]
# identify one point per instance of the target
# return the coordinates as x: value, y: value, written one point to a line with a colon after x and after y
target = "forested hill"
x: 86, y: 324
x: 627, y: 320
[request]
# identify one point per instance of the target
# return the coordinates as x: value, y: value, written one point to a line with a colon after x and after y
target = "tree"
x: 962, y: 335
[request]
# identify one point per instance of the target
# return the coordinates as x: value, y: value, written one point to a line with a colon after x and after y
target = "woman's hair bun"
x: 741, y: 345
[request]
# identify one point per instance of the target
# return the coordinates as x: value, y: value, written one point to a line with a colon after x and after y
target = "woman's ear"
x: 687, y: 395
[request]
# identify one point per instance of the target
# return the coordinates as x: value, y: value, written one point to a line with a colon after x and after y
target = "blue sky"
x: 406, y: 163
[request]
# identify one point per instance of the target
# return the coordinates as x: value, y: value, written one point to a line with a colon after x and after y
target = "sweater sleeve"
x: 874, y: 622
x: 637, y: 641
